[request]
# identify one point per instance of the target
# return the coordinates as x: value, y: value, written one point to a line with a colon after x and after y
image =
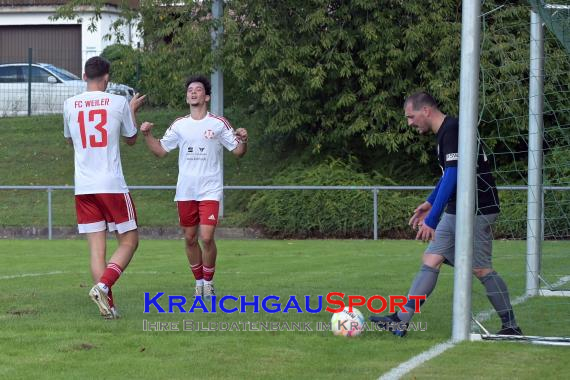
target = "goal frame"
x: 468, y: 111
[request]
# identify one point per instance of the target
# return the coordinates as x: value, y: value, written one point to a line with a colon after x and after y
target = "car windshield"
x: 62, y: 73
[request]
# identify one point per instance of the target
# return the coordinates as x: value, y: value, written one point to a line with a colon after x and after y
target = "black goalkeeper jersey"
x: 447, y: 154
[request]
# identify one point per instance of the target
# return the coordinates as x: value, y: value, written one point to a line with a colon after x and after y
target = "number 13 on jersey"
x: 98, y: 140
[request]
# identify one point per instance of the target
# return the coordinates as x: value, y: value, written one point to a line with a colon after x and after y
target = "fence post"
x: 29, y: 81
x: 49, y: 190
x: 217, y: 76
x: 375, y: 193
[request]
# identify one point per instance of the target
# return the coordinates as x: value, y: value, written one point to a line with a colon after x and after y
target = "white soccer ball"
x: 347, y: 323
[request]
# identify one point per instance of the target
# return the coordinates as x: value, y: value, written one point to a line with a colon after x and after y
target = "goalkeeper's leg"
x: 495, y: 286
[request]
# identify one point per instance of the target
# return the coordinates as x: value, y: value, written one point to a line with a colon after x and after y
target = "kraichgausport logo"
x: 271, y: 304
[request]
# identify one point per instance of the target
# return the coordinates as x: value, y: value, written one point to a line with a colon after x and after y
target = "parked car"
x: 50, y: 87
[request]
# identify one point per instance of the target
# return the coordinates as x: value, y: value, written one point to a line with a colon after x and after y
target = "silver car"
x: 50, y: 87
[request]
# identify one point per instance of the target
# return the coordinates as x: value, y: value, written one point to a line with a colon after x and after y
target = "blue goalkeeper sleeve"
x: 446, y: 188
x: 433, y: 194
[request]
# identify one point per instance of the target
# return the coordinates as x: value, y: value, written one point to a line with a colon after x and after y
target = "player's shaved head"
x: 419, y: 100
x: 96, y: 67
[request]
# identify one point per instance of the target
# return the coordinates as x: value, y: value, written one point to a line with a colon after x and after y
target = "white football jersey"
x: 95, y: 121
x: 200, y: 157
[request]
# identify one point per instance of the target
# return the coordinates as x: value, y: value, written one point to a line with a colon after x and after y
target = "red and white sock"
x: 197, y: 271
x: 110, y: 276
x: 209, y: 273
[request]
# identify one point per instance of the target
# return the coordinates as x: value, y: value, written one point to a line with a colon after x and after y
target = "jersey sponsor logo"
x: 209, y: 134
x: 451, y: 157
x: 212, y: 217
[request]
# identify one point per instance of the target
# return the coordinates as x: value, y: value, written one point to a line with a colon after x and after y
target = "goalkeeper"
x: 423, y: 114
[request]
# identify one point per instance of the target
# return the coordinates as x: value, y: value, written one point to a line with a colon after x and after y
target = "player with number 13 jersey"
x: 94, y: 122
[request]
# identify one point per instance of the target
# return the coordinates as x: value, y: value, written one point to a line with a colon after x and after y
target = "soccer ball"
x: 347, y: 323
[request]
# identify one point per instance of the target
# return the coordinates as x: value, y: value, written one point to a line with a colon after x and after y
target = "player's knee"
x: 191, y: 238
x: 130, y: 241
x: 433, y: 260
x: 191, y: 241
x: 207, y: 239
x: 482, y: 272
x: 134, y: 245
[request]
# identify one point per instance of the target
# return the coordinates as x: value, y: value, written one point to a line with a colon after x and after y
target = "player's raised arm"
x: 241, y: 149
x: 134, y: 105
x: 136, y: 102
x: 152, y: 142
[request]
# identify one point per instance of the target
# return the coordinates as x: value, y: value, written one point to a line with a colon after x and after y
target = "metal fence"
x: 374, y: 189
x: 28, y: 87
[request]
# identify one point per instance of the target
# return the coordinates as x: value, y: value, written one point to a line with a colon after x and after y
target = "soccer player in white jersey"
x: 200, y: 138
x: 94, y: 122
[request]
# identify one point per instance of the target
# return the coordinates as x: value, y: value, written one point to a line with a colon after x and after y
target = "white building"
x: 26, y: 24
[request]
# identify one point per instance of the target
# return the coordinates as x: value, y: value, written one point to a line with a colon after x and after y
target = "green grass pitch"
x: 50, y: 329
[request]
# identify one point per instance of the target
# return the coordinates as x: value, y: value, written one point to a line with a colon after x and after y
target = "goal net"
x: 524, y: 129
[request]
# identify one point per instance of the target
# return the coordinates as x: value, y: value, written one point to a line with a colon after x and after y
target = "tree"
x: 332, y: 72
x: 332, y: 75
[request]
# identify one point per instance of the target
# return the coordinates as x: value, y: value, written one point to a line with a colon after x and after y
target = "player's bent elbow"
x: 131, y: 140
x: 239, y: 152
x: 160, y: 153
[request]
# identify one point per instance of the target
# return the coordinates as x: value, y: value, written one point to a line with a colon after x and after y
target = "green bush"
x: 328, y: 213
x: 395, y: 209
x: 512, y: 221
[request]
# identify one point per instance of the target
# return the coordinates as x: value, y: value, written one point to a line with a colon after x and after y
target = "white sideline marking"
x: 29, y: 275
x: 416, y: 361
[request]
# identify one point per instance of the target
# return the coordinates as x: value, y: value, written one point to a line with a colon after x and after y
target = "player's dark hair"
x: 419, y: 100
x: 201, y: 79
x: 96, y: 67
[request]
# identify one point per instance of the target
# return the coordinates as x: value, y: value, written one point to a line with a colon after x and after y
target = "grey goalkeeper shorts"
x: 444, y: 243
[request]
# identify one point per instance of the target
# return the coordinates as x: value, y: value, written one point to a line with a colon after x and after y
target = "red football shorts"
x: 99, y: 212
x: 193, y: 213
